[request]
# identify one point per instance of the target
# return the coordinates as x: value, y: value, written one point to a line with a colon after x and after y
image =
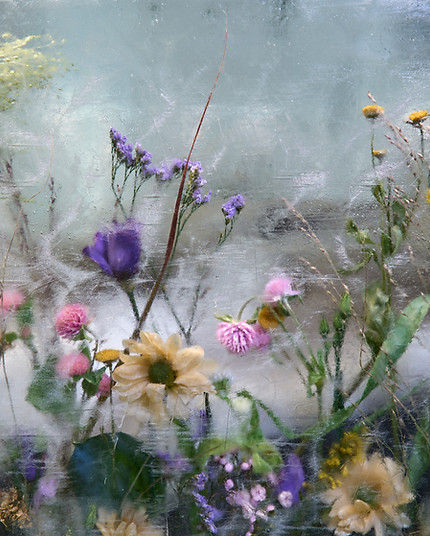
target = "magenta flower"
x: 104, y: 387
x: 117, y: 249
x: 10, y: 301
x: 262, y: 338
x: 73, y: 364
x: 237, y: 337
x: 71, y: 319
x: 278, y: 289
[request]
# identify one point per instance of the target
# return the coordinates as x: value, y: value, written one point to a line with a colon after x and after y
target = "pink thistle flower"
x: 73, y: 364
x: 104, y: 387
x: 237, y: 337
x: 10, y: 301
x: 262, y: 338
x: 277, y: 289
x: 70, y: 320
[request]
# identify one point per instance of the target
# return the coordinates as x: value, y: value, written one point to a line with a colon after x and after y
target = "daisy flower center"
x: 161, y: 371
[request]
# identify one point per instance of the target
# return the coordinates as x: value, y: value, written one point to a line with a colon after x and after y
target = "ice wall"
x: 284, y: 121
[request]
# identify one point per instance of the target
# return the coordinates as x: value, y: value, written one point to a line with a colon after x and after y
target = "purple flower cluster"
x: 195, y: 183
x: 208, y: 514
x: 122, y: 150
x: 290, y: 482
x: 232, y: 208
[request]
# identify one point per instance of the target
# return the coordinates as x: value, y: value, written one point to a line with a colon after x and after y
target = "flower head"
x: 104, y: 387
x: 290, y: 482
x: 161, y: 377
x: 71, y: 319
x: 122, y: 150
x: 417, y: 118
x: 368, y: 497
x: 232, y: 208
x: 270, y: 317
x: 117, y: 249
x: 131, y: 523
x: 237, y: 337
x: 372, y: 111
x: 262, y: 338
x: 277, y: 289
x: 73, y: 364
x: 10, y: 301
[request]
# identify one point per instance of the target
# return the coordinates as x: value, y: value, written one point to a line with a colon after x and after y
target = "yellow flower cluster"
x: 23, y: 65
x: 350, y: 449
x: 372, y: 111
x: 416, y: 118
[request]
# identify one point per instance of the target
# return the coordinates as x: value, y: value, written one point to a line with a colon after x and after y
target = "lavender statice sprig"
x: 207, y: 512
x: 231, y: 211
x: 193, y: 197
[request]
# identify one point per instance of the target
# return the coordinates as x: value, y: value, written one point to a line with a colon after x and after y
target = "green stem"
x: 9, y: 392
x: 130, y: 294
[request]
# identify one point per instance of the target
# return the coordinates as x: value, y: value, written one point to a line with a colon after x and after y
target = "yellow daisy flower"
x: 418, y: 117
x: 372, y: 111
x: 368, y: 497
x: 106, y: 356
x: 428, y: 196
x: 131, y: 523
x: 161, y: 377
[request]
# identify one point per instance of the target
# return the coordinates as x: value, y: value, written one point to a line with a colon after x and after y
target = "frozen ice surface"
x: 285, y: 121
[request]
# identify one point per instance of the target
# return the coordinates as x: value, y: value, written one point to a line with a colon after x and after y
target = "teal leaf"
x: 107, y: 469
x: 419, y: 457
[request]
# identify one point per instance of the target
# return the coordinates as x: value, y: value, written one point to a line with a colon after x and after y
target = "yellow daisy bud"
x: 105, y: 356
x: 379, y: 154
x: 269, y: 318
x: 372, y: 111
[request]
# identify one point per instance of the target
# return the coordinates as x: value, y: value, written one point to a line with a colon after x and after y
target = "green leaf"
x: 419, y: 457
x: 214, y: 446
x: 333, y: 421
x: 362, y: 237
x: 24, y: 313
x: 387, y: 247
x: 91, y: 381
x: 10, y: 337
x: 48, y: 394
x: 107, y: 469
x: 379, y: 193
x: 394, y: 346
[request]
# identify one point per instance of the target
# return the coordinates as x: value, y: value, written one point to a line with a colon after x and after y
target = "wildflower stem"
x: 9, y: 392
